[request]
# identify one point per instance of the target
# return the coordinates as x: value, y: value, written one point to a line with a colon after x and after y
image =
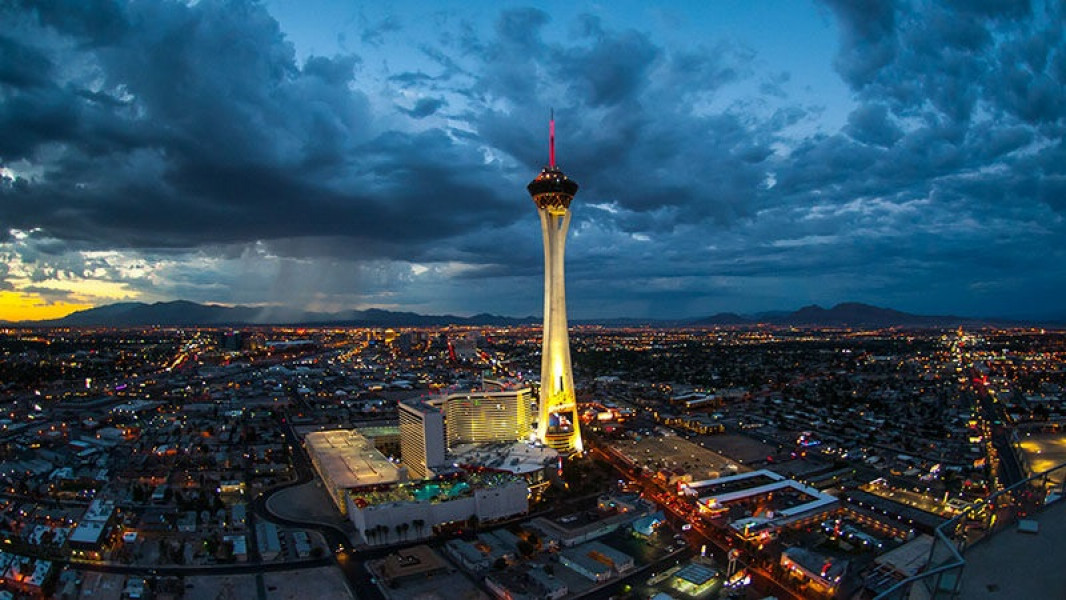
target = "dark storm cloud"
x: 94, y: 22
x: 24, y: 66
x: 337, y: 71
x: 610, y: 71
x: 172, y: 128
x: 970, y: 88
x: 993, y: 8
x: 195, y: 124
x: 868, y: 37
x: 632, y: 105
x: 50, y: 295
x: 426, y: 107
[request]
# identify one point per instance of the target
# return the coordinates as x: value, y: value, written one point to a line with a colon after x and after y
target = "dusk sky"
x: 732, y: 155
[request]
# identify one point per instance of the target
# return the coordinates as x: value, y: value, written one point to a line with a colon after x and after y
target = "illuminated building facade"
x: 421, y: 437
x: 488, y: 416
x: 557, y: 425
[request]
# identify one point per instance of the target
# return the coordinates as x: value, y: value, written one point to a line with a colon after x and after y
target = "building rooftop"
x: 513, y: 457
x: 670, y: 451
x: 1014, y: 564
x: 351, y: 460
x: 582, y: 557
x: 906, y: 515
x: 909, y: 558
x: 411, y: 562
x: 696, y: 573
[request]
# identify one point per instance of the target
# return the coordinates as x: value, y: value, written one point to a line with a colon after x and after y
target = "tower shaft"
x: 557, y: 425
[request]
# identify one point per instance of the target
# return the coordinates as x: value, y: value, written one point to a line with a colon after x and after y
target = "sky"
x: 732, y: 155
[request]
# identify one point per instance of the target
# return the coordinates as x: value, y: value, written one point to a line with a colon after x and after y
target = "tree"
x: 525, y: 548
x: 225, y: 551
x: 419, y: 526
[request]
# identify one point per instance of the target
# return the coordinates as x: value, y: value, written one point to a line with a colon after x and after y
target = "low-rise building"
x: 578, y: 528
x: 347, y: 461
x: 413, y: 510
x: 239, y: 543
x: 409, y: 564
x: 267, y: 540
x: 821, y: 573
x: 596, y: 561
x: 89, y: 535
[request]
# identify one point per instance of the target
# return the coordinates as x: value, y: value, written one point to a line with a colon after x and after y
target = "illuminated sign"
x: 560, y: 422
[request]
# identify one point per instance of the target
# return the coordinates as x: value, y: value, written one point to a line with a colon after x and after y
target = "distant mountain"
x: 179, y: 312
x: 853, y: 313
x: 848, y: 314
x: 187, y: 314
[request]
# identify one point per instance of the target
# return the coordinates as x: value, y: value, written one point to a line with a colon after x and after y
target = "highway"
x: 1010, y: 470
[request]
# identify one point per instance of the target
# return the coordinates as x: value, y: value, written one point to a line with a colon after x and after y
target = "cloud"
x: 868, y: 38
x: 870, y: 124
x: 426, y: 107
x: 375, y: 34
x: 186, y: 150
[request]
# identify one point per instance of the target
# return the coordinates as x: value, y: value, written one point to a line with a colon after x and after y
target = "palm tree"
x: 419, y: 526
x: 399, y: 527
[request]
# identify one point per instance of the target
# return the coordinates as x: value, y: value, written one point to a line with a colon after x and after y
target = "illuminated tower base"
x: 557, y: 426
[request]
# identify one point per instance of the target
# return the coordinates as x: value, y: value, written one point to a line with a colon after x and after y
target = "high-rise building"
x: 421, y: 437
x: 552, y: 192
x: 480, y: 416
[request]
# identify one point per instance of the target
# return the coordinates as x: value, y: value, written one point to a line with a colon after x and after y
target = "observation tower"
x: 557, y: 426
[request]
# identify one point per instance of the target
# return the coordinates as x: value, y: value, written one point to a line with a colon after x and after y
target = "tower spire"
x: 551, y: 140
x: 558, y: 425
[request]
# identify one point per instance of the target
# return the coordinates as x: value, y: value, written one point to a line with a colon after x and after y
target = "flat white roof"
x: 351, y: 460
x: 731, y: 478
x: 98, y: 510
x: 820, y: 500
x: 517, y: 457
x: 746, y: 493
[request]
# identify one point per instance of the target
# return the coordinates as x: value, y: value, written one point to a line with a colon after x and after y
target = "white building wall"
x: 488, y: 504
x: 502, y: 501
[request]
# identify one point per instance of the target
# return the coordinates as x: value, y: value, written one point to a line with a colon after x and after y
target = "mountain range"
x: 185, y: 313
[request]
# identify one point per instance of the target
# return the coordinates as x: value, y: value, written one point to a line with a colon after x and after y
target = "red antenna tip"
x: 551, y: 140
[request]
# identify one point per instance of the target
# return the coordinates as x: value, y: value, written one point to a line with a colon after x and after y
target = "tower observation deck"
x: 557, y: 425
